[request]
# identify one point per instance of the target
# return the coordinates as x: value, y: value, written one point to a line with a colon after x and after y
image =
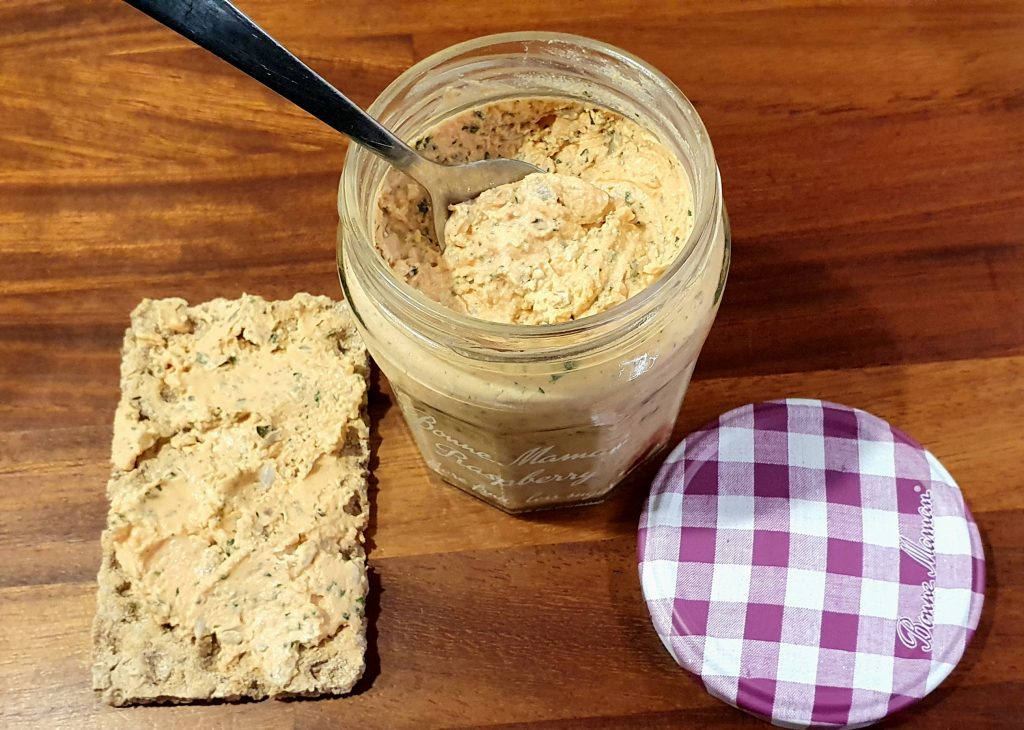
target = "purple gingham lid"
x: 814, y: 565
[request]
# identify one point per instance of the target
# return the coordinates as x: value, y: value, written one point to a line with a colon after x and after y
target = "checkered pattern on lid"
x: 814, y: 565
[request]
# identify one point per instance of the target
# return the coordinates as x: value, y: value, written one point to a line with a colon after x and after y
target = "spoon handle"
x: 223, y: 30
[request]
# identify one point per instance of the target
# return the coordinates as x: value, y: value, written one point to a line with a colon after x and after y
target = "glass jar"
x: 535, y: 416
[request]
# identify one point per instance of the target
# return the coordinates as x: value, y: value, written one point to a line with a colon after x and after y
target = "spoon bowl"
x: 451, y: 184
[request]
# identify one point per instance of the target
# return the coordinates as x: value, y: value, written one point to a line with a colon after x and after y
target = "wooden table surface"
x: 873, y: 163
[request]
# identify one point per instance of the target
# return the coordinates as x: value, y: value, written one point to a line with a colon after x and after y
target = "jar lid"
x: 812, y: 564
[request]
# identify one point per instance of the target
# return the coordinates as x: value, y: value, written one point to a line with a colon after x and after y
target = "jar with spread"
x: 546, y: 352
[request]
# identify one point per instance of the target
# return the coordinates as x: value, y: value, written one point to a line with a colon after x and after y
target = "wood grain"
x: 873, y: 160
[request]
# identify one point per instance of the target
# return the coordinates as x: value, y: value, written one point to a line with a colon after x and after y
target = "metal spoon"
x: 221, y: 28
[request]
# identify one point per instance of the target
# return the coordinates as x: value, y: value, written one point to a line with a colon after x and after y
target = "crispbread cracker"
x: 233, y: 562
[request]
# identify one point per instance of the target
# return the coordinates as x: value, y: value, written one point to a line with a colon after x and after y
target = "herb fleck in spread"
x: 603, y: 222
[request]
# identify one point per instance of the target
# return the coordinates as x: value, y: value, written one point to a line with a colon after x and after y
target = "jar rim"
x: 440, y: 319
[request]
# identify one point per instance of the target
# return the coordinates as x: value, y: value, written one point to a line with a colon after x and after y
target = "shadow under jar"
x: 528, y: 417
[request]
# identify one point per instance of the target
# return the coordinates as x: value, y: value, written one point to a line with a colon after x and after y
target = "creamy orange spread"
x: 606, y: 218
x: 230, y: 514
